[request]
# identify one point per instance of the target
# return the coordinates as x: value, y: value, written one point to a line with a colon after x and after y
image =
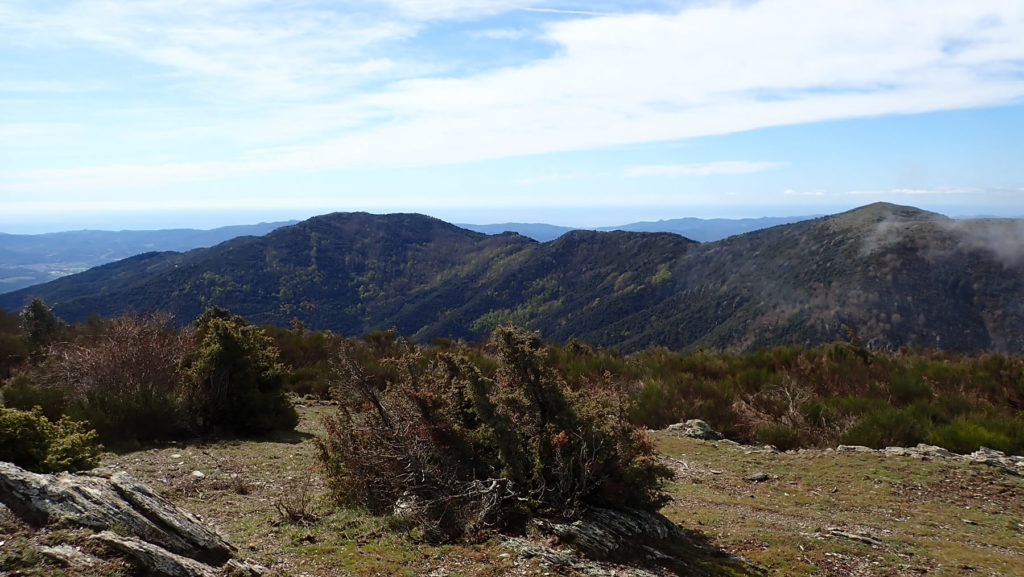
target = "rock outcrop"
x: 1011, y: 464
x: 161, y: 537
x: 695, y: 429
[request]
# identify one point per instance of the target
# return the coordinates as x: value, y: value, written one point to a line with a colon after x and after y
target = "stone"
x: 695, y: 429
x: 861, y: 537
x: 157, y: 560
x: 162, y: 538
x: 69, y: 556
x: 854, y: 449
x: 759, y: 477
x: 620, y: 535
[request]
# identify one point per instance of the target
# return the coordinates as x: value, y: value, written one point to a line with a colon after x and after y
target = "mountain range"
x: 885, y: 275
x: 30, y: 259
x: 699, y: 229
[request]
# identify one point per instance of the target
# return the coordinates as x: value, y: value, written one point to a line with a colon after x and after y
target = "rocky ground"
x: 739, y: 510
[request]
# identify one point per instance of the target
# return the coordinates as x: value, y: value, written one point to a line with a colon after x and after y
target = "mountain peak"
x: 879, y: 212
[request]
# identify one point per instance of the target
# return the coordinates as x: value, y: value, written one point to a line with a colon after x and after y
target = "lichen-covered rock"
x: 100, y: 504
x: 696, y: 429
x: 157, y: 560
x: 160, y: 537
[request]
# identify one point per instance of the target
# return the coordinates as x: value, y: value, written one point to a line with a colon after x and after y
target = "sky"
x: 138, y: 114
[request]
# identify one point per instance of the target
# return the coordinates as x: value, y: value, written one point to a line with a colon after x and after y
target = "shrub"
x: 237, y: 383
x: 125, y: 381
x: 30, y: 440
x: 883, y: 425
x: 968, y: 434
x: 22, y: 392
x: 461, y: 452
x: 782, y: 436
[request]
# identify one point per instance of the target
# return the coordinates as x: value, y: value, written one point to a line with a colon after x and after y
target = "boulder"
x: 696, y: 429
x: 164, y: 539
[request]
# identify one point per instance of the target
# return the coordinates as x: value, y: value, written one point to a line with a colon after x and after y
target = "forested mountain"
x: 884, y: 274
x: 28, y: 259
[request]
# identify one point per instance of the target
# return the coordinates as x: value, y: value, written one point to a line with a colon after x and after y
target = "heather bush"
x: 462, y: 451
x: 30, y: 440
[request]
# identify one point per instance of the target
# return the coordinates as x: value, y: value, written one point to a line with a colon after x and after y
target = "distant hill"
x: 884, y: 274
x: 699, y: 229
x: 29, y: 259
x: 537, y: 231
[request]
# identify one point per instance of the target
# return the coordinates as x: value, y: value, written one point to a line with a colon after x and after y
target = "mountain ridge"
x: 888, y: 275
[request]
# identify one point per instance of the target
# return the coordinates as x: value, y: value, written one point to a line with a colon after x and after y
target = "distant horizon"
x: 143, y: 115
x: 208, y: 220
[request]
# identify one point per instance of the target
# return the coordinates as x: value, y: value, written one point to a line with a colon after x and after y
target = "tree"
x: 38, y: 324
x: 237, y: 383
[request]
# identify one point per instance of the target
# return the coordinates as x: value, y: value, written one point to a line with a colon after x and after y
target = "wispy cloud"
x: 501, y: 33
x: 552, y: 178
x: 706, y: 169
x: 565, y: 11
x: 314, y: 88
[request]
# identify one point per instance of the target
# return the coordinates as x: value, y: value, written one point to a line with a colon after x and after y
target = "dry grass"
x: 934, y: 517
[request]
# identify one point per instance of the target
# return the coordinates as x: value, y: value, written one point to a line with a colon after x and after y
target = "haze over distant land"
x: 148, y: 115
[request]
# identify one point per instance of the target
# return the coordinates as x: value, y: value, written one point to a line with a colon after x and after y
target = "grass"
x: 932, y: 517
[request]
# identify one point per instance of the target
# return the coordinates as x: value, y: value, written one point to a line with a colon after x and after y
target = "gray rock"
x: 696, y: 429
x: 157, y: 560
x: 759, y: 477
x: 854, y: 449
x: 993, y: 458
x: 100, y: 504
x: 165, y: 540
x: 69, y: 556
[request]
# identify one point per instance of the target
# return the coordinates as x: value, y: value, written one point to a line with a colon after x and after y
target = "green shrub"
x: 30, y: 440
x: 968, y: 434
x: 132, y: 416
x: 883, y: 425
x: 782, y: 436
x: 22, y: 392
x: 237, y: 383
x: 463, y: 452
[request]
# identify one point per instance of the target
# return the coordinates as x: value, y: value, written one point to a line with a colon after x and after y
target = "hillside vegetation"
x: 894, y: 276
x: 441, y: 457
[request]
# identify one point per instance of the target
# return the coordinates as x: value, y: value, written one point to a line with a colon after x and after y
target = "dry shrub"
x: 462, y: 453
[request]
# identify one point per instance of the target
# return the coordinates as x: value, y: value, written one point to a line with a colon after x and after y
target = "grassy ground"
x: 849, y: 514
x: 820, y: 513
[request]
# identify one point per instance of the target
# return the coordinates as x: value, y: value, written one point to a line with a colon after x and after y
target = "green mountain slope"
x: 889, y: 275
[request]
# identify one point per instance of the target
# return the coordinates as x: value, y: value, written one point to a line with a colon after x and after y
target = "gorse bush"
x: 30, y: 440
x: 462, y: 452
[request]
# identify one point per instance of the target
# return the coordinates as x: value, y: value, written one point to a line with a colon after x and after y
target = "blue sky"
x: 159, y: 113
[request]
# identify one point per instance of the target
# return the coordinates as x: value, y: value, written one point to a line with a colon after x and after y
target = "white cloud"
x: 707, y: 169
x: 501, y: 33
x: 455, y: 9
x: 552, y: 178
x: 324, y: 90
